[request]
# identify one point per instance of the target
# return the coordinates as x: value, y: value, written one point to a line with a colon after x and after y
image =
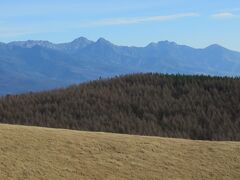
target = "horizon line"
x: 104, y: 39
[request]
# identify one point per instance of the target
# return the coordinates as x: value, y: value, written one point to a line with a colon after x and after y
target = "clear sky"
x: 197, y: 23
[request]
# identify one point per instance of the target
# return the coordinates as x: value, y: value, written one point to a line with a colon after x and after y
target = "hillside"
x: 41, y: 65
x: 191, y: 107
x: 39, y: 153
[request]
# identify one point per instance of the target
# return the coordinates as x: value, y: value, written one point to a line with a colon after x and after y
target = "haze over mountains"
x: 40, y: 65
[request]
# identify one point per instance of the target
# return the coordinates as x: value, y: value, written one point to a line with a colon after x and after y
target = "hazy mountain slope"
x: 36, y: 68
x: 41, y: 65
x: 39, y: 153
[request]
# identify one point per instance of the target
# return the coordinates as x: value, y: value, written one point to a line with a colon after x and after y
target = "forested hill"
x: 195, y: 107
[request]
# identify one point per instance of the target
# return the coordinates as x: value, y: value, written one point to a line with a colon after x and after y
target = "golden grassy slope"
x: 40, y: 153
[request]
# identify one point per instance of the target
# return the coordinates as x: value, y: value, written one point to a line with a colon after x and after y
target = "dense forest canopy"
x: 193, y: 107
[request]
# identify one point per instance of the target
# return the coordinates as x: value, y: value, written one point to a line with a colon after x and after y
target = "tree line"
x: 192, y: 107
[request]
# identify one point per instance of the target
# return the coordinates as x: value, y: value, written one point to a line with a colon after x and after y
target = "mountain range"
x: 41, y: 65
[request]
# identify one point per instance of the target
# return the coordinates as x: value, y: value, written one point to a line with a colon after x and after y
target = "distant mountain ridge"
x: 40, y: 65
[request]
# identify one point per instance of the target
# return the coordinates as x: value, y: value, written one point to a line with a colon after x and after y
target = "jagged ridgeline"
x: 195, y: 107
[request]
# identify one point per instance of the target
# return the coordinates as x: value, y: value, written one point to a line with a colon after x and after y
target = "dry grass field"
x: 40, y: 153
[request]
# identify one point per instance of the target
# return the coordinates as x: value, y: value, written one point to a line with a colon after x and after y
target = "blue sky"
x: 197, y: 23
